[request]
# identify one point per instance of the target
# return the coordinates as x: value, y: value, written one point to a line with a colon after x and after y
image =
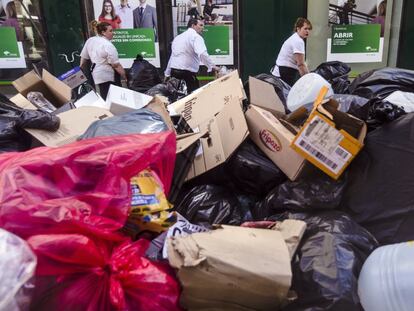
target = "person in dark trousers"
x: 103, y: 55
x: 188, y: 51
x: 290, y: 63
x: 208, y: 10
x: 343, y: 15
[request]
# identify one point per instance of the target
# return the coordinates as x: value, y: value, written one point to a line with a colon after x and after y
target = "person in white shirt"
x: 124, y: 11
x: 104, y: 57
x: 188, y: 51
x: 290, y: 62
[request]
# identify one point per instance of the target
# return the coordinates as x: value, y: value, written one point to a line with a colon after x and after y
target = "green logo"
x: 356, y: 38
x: 130, y: 42
x: 8, y: 43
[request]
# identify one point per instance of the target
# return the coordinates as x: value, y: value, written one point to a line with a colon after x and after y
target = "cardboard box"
x: 274, y: 139
x: 330, y: 139
x: 226, y: 131
x: 54, y: 90
x: 232, y: 268
x: 207, y: 101
x: 122, y: 100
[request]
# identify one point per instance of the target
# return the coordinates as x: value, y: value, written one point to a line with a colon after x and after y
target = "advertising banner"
x: 357, y: 31
x: 11, y: 51
x: 218, y: 29
x: 135, y: 25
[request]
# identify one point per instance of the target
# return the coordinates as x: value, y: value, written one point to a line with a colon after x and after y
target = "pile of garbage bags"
x: 118, y: 218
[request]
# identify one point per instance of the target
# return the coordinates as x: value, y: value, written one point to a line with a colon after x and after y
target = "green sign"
x: 216, y: 39
x: 8, y: 43
x: 130, y: 42
x: 356, y: 38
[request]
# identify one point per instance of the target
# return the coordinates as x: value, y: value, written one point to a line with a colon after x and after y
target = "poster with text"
x: 218, y: 29
x: 11, y: 50
x: 135, y: 25
x: 358, y: 30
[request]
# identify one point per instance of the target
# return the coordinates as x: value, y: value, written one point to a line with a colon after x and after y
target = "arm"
x: 201, y: 50
x: 167, y: 71
x: 120, y: 70
x: 300, y: 62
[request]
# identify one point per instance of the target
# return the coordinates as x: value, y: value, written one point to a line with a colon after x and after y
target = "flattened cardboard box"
x: 73, y: 123
x: 206, y: 102
x: 326, y: 147
x: 226, y: 131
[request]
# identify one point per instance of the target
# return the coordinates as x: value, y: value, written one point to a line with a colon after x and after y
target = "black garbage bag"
x: 328, y: 262
x: 142, y: 76
x: 282, y: 89
x: 353, y: 104
x: 381, y: 111
x: 336, y: 73
x: 141, y: 121
x: 14, y: 119
x: 379, y: 195
x: 382, y: 82
x: 210, y: 204
x: 173, y: 89
x: 316, y: 191
x: 251, y: 171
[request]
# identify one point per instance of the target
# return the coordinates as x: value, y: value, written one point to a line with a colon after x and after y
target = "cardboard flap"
x: 59, y: 89
x: 22, y: 102
x: 186, y: 141
x: 73, y: 123
x: 122, y: 100
x: 157, y: 105
x: 206, y: 102
x: 263, y: 94
x: 26, y: 81
x: 233, y: 126
x: 183, y: 252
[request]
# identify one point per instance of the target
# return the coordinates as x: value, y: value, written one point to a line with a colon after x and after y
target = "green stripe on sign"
x: 205, y: 78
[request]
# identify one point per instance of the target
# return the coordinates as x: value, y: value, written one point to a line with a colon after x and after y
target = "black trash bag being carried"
x: 336, y: 73
x: 353, y: 104
x: 14, y: 119
x: 382, y: 82
x: 379, y: 195
x: 316, y: 191
x: 210, y: 204
x: 173, y: 89
x: 328, y: 262
x: 251, y: 171
x: 142, y: 121
x: 142, y: 76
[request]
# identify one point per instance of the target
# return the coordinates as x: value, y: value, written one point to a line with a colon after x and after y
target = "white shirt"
x: 102, y: 53
x: 188, y: 52
x: 126, y: 16
x: 293, y: 45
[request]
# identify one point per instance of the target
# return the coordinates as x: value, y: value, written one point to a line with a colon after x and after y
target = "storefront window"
x: 23, y: 43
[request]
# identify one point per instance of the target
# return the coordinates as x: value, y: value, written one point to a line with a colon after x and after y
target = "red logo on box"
x: 270, y: 141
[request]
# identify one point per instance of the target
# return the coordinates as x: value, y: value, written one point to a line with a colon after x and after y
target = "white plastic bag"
x: 17, y: 266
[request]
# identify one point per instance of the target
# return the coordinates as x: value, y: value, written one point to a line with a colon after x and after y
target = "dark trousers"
x: 104, y: 87
x: 289, y: 75
x: 189, y: 77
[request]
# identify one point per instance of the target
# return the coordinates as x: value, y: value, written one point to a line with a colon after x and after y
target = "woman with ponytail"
x: 106, y: 68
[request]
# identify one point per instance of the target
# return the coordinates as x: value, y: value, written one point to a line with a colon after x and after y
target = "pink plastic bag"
x: 76, y: 273
x: 79, y: 188
x: 69, y: 204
